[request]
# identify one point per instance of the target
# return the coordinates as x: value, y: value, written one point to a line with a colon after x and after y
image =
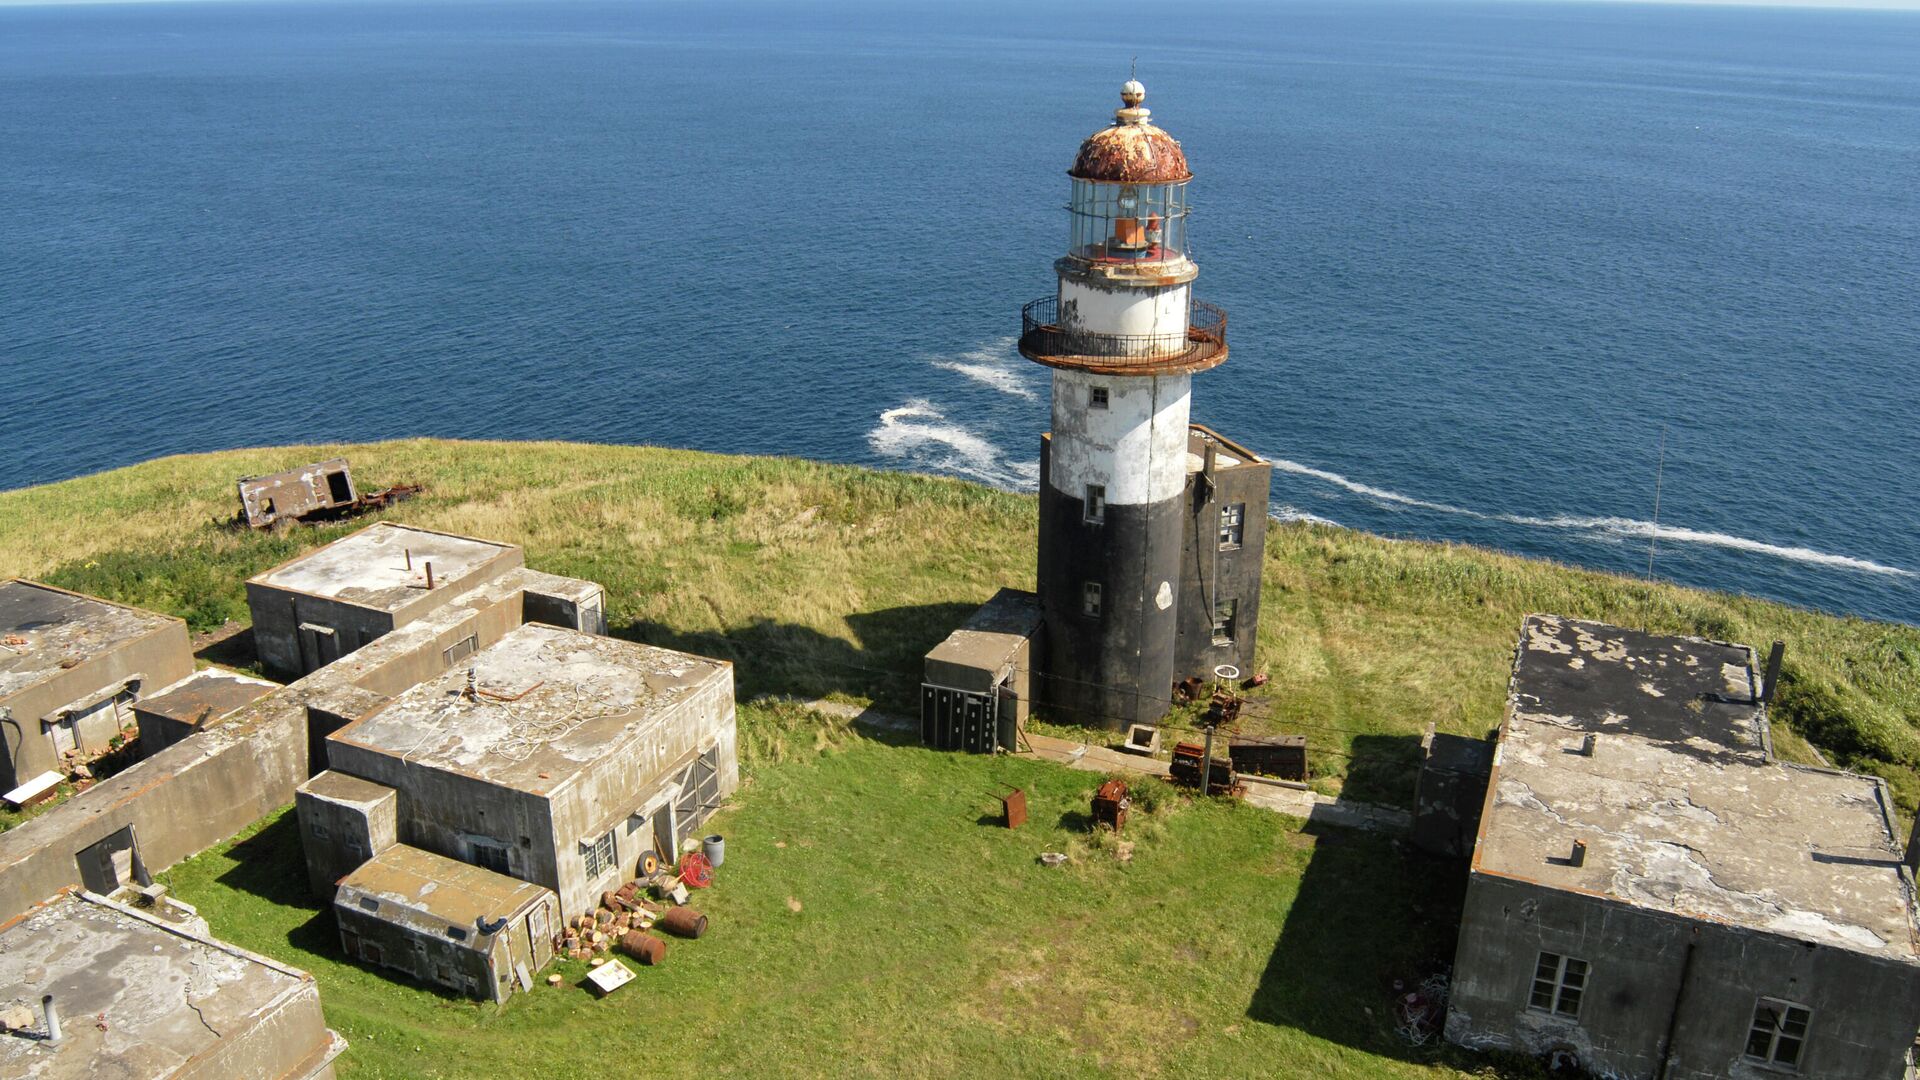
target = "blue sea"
x: 1482, y: 260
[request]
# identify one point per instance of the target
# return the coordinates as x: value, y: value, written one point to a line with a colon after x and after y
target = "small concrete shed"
x: 446, y: 922
x: 978, y: 684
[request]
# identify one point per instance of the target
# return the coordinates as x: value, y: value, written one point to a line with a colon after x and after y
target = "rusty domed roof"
x: 1132, y: 151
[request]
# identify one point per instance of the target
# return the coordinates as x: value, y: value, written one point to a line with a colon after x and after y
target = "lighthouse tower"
x: 1124, y: 337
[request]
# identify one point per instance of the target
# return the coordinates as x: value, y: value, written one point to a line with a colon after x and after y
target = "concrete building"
x: 140, y: 997
x: 207, y: 696
x: 446, y: 922
x: 1118, y: 500
x: 1222, y: 551
x: 554, y: 757
x: 978, y: 685
x: 314, y: 609
x: 1652, y: 895
x: 235, y: 768
x: 71, y: 667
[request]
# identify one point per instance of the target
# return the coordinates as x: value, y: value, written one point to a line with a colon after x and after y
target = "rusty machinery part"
x: 1110, y: 804
x: 1188, y: 690
x: 682, y: 922
x: 646, y: 948
x: 695, y: 871
x: 1189, y: 762
x: 649, y: 863
x: 1223, y: 708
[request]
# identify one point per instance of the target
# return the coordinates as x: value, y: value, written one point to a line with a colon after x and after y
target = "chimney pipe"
x: 1589, y: 744
x: 429, y: 574
x: 1773, y: 672
x: 1579, y: 856
x: 53, y: 1018
x: 409, y: 552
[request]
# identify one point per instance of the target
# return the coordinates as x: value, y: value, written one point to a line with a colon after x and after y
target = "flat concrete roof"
x: 1680, y: 805
x: 369, y: 569
x: 430, y: 892
x: 553, y: 701
x: 206, y: 696
x: 162, y: 991
x: 339, y: 787
x: 58, y: 627
x: 1226, y: 455
x: 992, y: 633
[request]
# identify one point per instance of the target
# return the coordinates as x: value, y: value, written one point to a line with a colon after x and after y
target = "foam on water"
x: 995, y: 366
x: 920, y: 435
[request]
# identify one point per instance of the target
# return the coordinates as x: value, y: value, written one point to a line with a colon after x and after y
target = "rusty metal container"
x: 682, y: 922
x: 1110, y: 804
x: 646, y: 948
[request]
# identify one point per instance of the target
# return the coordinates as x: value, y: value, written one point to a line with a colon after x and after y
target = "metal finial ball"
x: 1132, y: 93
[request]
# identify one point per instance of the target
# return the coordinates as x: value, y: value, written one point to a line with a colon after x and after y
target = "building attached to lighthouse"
x: 1138, y: 519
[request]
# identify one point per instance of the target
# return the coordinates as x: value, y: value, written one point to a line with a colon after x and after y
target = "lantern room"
x: 1129, y: 200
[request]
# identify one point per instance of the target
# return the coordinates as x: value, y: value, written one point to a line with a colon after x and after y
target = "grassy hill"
x: 823, y: 579
x: 869, y: 920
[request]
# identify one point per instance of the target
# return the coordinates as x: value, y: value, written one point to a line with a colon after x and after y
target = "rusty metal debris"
x: 1190, y: 764
x: 1281, y: 756
x: 682, y: 922
x: 322, y: 491
x: 1110, y: 805
x: 1013, y: 808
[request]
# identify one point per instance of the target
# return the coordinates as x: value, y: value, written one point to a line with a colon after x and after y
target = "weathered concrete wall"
x: 616, y: 785
x: 1210, y: 574
x: 430, y: 958
x: 1451, y: 790
x: 1651, y: 970
x: 179, y: 801
x: 344, y: 821
x: 278, y: 613
x: 159, y: 658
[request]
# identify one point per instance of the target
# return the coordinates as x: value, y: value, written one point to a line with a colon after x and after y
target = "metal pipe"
x: 409, y: 552
x: 429, y: 574
x: 1679, y: 998
x: 53, y: 1018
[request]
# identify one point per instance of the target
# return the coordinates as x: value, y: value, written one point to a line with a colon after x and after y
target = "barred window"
x: 600, y: 856
x: 1097, y: 397
x: 1779, y: 1033
x: 1090, y: 599
x: 1096, y: 506
x: 1233, y: 525
x: 1558, y: 983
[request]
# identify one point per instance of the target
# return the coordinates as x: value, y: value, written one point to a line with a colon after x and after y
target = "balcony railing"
x: 1043, y: 339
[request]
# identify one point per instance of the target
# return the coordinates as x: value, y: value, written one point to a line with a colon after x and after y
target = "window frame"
x: 1224, y: 629
x: 1093, y: 508
x: 1092, y: 600
x: 1556, y: 988
x: 1098, y: 397
x: 1233, y: 526
x: 1776, y: 1033
x: 601, y: 855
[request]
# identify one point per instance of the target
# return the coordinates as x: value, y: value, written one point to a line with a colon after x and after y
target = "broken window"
x: 1096, y: 503
x: 600, y: 856
x: 1233, y: 525
x: 1096, y: 397
x: 1224, y: 614
x: 1090, y: 599
x: 488, y: 854
x: 1779, y: 1032
x: 1558, y: 982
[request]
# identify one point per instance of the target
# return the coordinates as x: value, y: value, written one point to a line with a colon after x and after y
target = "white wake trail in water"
x: 921, y: 435
x: 996, y: 366
x: 1603, y: 528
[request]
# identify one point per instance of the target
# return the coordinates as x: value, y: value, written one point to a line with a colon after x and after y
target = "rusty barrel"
x: 682, y: 922
x: 646, y: 948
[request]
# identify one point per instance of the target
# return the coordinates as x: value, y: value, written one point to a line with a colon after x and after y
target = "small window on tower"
x: 1096, y: 503
x: 1233, y: 525
x: 1097, y: 397
x: 1090, y: 599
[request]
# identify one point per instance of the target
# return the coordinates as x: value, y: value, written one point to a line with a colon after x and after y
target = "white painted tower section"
x: 1153, y: 318
x: 1135, y: 448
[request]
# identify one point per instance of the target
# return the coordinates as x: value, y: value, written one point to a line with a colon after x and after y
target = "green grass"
x: 928, y: 940
x: 831, y: 580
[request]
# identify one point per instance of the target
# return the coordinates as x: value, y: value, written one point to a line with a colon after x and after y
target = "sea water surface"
x: 1481, y: 259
